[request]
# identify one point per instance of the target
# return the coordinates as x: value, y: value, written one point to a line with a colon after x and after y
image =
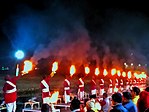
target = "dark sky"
x: 109, y: 32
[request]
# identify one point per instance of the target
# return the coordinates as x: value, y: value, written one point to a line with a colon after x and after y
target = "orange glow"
x: 105, y: 72
x: 27, y: 66
x: 72, y: 70
x: 54, y: 97
x: 124, y: 74
x: 129, y: 74
x: 54, y: 66
x: 119, y: 73
x: 113, y: 71
x: 97, y: 72
x: 87, y: 70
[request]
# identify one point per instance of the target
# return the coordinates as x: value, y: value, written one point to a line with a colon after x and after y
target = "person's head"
x: 115, y: 110
x: 116, y: 98
x: 135, y: 91
x: 105, y: 95
x: 147, y: 89
x: 75, y: 104
x: 7, y: 77
x: 126, y: 96
x: 93, y: 96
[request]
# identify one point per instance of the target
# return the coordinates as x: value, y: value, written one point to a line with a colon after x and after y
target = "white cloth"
x: 46, y: 100
x: 93, y: 92
x: 105, y: 108
x: 101, y: 91
x: 13, y: 85
x: 46, y: 89
x: 11, y: 107
x: 66, y: 97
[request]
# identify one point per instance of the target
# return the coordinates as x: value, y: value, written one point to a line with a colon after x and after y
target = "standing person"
x: 143, y: 101
x: 81, y: 89
x: 127, y: 102
x: 135, y: 94
x: 45, y: 88
x: 67, y: 90
x: 117, y: 103
x: 93, y: 86
x: 101, y: 84
x: 10, y: 92
x: 105, y: 103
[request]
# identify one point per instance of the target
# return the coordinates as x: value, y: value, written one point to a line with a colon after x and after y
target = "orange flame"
x: 97, y: 72
x: 72, y: 70
x: 113, y: 71
x: 27, y: 66
x: 124, y: 74
x: 54, y: 97
x: 129, y: 74
x: 87, y: 70
x: 54, y: 66
x: 119, y: 73
x: 105, y: 72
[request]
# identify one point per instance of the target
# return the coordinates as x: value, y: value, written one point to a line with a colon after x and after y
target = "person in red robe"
x: 66, y: 85
x: 10, y: 92
x: 81, y: 89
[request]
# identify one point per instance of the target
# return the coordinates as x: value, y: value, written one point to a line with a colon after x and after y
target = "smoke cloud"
x: 60, y: 30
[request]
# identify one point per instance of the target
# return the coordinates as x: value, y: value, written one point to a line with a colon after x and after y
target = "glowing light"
x: 129, y: 74
x: 124, y: 74
x: 27, y: 66
x: 54, y: 66
x: 113, y: 71
x: 97, y: 72
x: 87, y: 70
x: 119, y: 73
x: 72, y: 70
x: 105, y: 72
x: 19, y: 54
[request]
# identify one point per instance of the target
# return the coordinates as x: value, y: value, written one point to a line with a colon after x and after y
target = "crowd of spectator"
x: 132, y: 100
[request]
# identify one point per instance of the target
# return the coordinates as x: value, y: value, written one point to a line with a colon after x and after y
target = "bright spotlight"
x: 19, y: 54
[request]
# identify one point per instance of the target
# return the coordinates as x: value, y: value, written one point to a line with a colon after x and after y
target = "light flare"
x: 27, y: 66
x: 113, y: 71
x: 72, y: 70
x: 87, y: 70
x: 55, y: 66
x: 97, y: 72
x: 105, y: 72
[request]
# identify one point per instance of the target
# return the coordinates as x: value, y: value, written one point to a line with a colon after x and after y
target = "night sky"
x: 108, y: 32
